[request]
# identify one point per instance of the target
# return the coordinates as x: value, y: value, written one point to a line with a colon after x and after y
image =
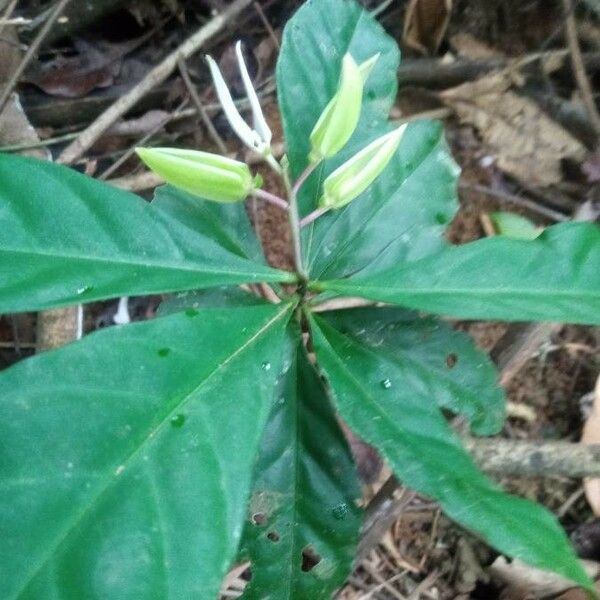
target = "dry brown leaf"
x: 576, y: 594
x: 16, y: 129
x: 527, y: 143
x: 467, y: 45
x: 591, y: 435
x: 425, y: 24
x: 522, y: 578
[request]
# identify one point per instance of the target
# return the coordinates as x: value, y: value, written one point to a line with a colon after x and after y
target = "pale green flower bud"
x: 208, y: 176
x: 340, y: 117
x: 357, y: 174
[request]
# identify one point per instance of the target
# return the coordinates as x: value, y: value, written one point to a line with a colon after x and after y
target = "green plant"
x: 139, y: 462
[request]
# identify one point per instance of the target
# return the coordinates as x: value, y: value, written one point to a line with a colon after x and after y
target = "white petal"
x: 242, y: 129
x: 260, y: 124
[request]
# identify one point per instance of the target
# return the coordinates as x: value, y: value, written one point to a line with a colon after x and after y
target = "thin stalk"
x: 313, y: 216
x: 271, y: 198
x: 294, y: 220
x: 303, y: 177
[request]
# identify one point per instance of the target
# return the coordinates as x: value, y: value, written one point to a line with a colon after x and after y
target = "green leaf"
x: 402, y: 216
x: 555, y: 277
x: 304, y: 494
x: 438, y: 364
x: 368, y: 389
x: 226, y: 224
x: 127, y: 457
x: 65, y: 238
x: 515, y: 226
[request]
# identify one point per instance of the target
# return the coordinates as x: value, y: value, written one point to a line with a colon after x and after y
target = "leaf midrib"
x: 109, y: 481
x: 178, y: 266
x: 338, y: 285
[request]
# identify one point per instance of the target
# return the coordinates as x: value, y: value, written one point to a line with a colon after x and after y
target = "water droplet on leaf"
x: 340, y: 511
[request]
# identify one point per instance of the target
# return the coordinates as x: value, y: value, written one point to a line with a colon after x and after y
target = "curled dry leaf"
x: 425, y: 24
x: 529, y: 145
x: 591, y: 435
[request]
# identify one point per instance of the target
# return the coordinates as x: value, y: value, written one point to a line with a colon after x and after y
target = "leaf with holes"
x: 65, y: 238
x: 303, y: 519
x: 402, y: 216
x: 117, y: 478
x: 555, y: 277
x: 369, y: 391
x: 437, y: 364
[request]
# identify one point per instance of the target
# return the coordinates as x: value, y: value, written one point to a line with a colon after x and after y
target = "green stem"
x: 294, y: 220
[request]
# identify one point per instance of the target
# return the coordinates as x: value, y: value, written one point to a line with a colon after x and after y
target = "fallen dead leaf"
x: 575, y: 594
x: 16, y: 129
x: 77, y: 76
x: 467, y: 45
x: 591, y: 435
x: 523, y: 579
x: 425, y: 24
x: 528, y: 144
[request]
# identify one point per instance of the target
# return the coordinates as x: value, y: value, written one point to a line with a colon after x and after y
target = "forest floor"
x: 522, y: 122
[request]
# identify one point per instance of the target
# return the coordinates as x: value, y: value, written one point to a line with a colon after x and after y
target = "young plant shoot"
x: 145, y: 460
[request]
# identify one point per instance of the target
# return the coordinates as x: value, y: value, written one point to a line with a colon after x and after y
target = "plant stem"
x: 294, y: 220
x: 271, y: 198
x: 314, y: 215
x: 303, y: 177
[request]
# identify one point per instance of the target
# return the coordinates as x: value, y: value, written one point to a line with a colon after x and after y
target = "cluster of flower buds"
x: 221, y: 179
x: 335, y: 127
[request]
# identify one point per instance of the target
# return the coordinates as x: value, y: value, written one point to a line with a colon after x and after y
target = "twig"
x: 156, y: 76
x: 379, y: 9
x: 263, y: 18
x: 553, y: 215
x: 535, y: 459
x: 31, y: 51
x: 141, y: 142
x: 438, y: 73
x: 517, y: 346
x: 583, y: 83
x: 7, y: 14
x: 214, y: 134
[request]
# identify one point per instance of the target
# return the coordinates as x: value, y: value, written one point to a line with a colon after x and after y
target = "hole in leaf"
x: 441, y: 218
x: 192, y: 312
x: 178, y: 421
x: 164, y: 352
x: 273, y: 536
x: 310, y: 559
x: 259, y: 518
x: 451, y: 360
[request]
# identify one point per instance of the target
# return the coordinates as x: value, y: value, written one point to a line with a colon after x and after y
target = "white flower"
x: 257, y: 138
